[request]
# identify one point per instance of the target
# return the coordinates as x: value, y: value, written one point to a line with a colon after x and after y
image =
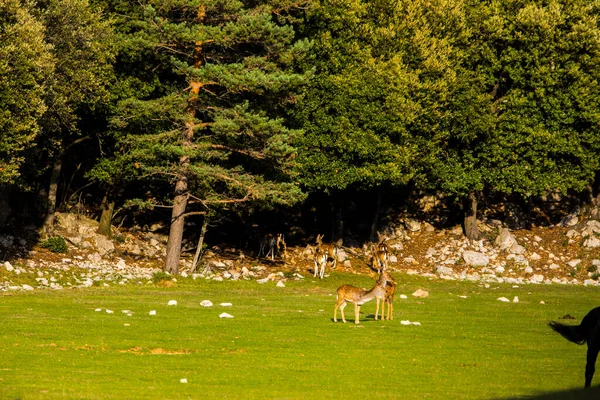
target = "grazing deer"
x: 320, y: 259
x: 350, y: 294
x: 330, y: 249
x: 274, y: 243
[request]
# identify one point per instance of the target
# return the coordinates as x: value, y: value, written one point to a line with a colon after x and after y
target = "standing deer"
x: 330, y: 249
x: 381, y: 255
x: 350, y: 294
x: 274, y: 243
x: 320, y: 259
x: 390, y: 290
x: 588, y: 331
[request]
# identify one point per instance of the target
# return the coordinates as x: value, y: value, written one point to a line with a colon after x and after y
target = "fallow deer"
x: 350, y: 294
x: 390, y: 290
x: 330, y: 249
x: 381, y: 255
x: 273, y: 243
x: 320, y: 259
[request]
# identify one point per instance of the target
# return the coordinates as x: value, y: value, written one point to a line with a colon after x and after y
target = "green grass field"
x: 282, y: 342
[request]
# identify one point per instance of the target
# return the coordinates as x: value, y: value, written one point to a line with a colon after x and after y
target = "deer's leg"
x: 335, y: 309
x: 356, y: 313
x: 342, y: 309
x: 391, y: 310
x: 592, y: 355
x: 316, y: 269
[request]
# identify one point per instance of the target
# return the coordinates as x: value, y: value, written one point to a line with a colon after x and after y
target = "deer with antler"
x: 330, y: 249
x: 350, y: 294
x: 381, y: 255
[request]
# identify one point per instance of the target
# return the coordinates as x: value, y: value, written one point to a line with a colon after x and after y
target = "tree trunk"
x: 470, y: 207
x: 108, y: 207
x: 52, y: 195
x: 181, y: 187
x: 200, y: 243
x: 177, y: 224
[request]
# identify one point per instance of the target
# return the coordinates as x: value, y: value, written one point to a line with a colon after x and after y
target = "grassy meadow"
x: 282, y: 342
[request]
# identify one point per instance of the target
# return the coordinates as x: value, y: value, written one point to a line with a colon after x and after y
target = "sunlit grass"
x: 282, y: 342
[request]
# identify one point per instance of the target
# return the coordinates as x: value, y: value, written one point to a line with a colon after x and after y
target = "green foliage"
x: 161, y: 276
x: 25, y: 64
x: 56, y: 244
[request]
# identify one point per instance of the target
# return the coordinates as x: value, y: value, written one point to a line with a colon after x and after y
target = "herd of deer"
x: 327, y: 253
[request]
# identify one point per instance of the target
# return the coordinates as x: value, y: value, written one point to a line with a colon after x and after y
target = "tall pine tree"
x: 208, y: 118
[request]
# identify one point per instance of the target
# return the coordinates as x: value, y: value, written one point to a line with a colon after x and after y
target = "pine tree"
x: 215, y: 78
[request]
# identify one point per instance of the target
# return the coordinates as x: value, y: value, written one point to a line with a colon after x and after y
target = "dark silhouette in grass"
x: 586, y: 332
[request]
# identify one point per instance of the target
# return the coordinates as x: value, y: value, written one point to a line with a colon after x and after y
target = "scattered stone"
x: 542, y: 302
x: 226, y: 304
x: 183, y: 380
x: 110, y: 312
x: 516, y: 299
x: 172, y: 303
x: 225, y: 315
x: 8, y: 266
x: 206, y: 303
x: 403, y: 296
x: 505, y: 239
x: 475, y: 259
x: 420, y: 293
x: 280, y: 284
x: 504, y: 299
x: 153, y: 312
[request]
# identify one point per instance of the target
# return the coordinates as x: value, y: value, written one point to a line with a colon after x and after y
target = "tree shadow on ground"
x: 572, y: 394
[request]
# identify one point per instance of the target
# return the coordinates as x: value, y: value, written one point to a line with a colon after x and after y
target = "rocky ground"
x: 568, y: 253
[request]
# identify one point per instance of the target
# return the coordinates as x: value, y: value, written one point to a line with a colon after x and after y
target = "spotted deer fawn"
x: 330, y: 249
x: 273, y: 243
x: 350, y: 294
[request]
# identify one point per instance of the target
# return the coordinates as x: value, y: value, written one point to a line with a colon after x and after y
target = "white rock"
x: 516, y: 299
x: 503, y: 299
x: 109, y: 311
x: 172, y: 303
x: 592, y: 242
x: 225, y: 304
x: 153, y: 312
x: 405, y: 322
x: 121, y: 264
x: 403, y: 296
x: 280, y: 284
x: 206, y: 303
x: 420, y: 293
x: 505, y: 239
x: 98, y: 309
x: 542, y: 302
x: 574, y: 263
x: 475, y: 258
x: 416, y: 323
x: 225, y: 315
x: 183, y: 380
x: 27, y: 287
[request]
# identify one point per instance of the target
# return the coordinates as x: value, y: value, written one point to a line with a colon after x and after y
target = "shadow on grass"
x: 573, y: 394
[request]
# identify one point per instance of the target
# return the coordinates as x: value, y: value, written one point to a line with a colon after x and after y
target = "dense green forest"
x: 248, y: 112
